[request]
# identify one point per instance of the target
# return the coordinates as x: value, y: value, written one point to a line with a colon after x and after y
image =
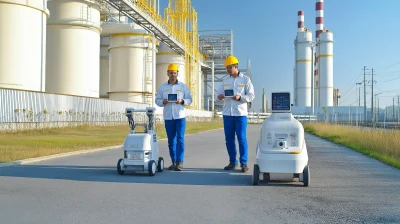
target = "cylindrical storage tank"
x: 325, y: 59
x: 23, y: 44
x: 303, y: 68
x: 131, y: 67
x: 166, y: 56
x: 104, y: 67
x: 73, y: 47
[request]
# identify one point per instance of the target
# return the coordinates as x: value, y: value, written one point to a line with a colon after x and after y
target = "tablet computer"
x: 172, y: 97
x: 228, y: 93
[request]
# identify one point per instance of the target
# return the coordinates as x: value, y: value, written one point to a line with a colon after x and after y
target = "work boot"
x: 173, y: 166
x: 244, y: 168
x: 179, y: 166
x: 231, y: 166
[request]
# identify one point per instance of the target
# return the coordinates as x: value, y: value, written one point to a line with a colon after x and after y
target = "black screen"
x: 281, y: 101
x: 229, y: 92
x: 172, y: 97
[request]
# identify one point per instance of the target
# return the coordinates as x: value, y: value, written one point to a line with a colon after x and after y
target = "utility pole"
x: 359, y: 95
x: 376, y: 114
x: 365, y: 100
x: 384, y: 120
x: 393, y: 110
x: 372, y: 98
x: 356, y: 107
x: 359, y: 92
x: 378, y: 110
x: 398, y: 102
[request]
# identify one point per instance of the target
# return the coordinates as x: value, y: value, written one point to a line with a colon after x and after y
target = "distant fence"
x: 36, y: 110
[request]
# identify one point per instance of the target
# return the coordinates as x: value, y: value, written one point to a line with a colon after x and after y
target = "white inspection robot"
x: 281, y: 150
x: 141, y: 148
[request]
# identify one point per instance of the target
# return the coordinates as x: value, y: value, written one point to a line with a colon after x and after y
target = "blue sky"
x: 366, y: 33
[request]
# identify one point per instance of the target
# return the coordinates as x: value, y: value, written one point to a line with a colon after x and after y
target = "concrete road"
x: 346, y: 187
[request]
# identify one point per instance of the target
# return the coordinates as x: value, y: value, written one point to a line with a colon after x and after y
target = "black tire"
x: 160, y: 166
x: 119, y: 170
x: 256, y: 175
x: 306, y: 176
x: 152, y: 168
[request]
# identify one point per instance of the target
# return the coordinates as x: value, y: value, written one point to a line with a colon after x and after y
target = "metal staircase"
x: 142, y: 14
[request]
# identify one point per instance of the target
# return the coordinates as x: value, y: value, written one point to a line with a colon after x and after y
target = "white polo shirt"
x: 242, y: 86
x: 173, y: 111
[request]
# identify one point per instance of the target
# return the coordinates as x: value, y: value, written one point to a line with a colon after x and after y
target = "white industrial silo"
x: 325, y: 59
x: 131, y: 63
x: 104, y: 67
x: 303, y: 68
x: 73, y: 47
x: 23, y: 44
x: 166, y: 56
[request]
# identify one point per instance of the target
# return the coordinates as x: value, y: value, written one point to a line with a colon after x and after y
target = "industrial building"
x: 115, y: 50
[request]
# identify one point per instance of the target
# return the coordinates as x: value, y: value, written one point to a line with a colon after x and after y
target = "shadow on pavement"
x: 189, y: 176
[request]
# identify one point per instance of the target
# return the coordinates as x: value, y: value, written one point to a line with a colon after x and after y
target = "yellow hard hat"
x: 231, y: 60
x: 173, y: 67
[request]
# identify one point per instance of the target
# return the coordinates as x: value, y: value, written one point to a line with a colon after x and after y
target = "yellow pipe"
x: 325, y: 55
x: 304, y: 61
x: 131, y: 34
x: 168, y: 53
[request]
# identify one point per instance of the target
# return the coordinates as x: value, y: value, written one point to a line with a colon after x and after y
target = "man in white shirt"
x: 174, y: 114
x: 235, y: 111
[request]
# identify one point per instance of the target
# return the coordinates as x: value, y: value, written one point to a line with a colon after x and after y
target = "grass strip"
x: 380, y: 144
x: 35, y: 143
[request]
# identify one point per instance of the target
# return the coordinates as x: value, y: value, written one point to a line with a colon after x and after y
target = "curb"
x: 74, y: 153
x: 55, y: 156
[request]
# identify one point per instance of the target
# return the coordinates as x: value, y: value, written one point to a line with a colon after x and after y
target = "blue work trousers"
x: 176, y: 138
x: 238, y: 125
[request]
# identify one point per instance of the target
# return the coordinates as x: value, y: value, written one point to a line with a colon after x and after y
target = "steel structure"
x: 144, y: 13
x: 216, y: 45
x: 182, y: 17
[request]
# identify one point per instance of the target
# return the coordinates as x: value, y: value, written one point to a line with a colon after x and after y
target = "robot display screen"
x: 280, y: 101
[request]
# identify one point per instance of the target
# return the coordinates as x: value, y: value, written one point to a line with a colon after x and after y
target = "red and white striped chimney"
x: 300, y: 16
x: 319, y: 17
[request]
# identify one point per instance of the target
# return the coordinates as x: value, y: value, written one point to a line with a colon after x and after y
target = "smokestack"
x: 300, y: 16
x: 319, y: 17
x: 319, y: 24
x: 303, y: 67
x: 324, y: 58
